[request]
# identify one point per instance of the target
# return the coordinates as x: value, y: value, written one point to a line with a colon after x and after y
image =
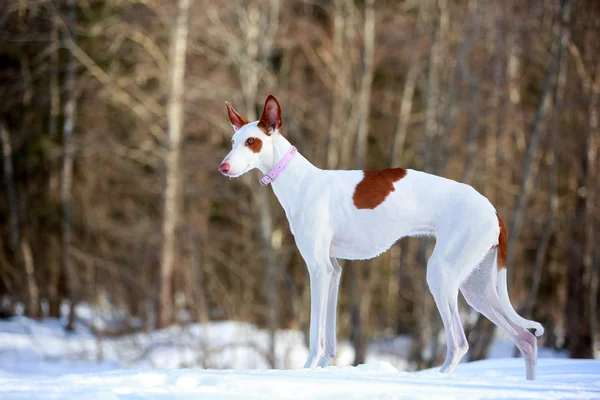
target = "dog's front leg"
x: 320, y: 279
x: 330, y: 331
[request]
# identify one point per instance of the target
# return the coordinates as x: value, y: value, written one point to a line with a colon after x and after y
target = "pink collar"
x: 272, y: 174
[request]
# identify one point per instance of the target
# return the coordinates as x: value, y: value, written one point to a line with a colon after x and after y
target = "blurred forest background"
x: 113, y: 124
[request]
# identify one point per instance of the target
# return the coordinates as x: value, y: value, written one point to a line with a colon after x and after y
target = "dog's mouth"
x: 238, y: 174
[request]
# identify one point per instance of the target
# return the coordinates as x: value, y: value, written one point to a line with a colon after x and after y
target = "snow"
x: 497, y: 379
x: 226, y: 360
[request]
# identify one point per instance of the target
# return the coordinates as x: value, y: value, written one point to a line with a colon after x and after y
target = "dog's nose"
x: 224, y: 168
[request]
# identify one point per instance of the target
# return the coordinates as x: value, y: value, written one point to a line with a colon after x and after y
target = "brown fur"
x: 271, y: 116
x: 263, y: 127
x: 256, y: 145
x: 376, y: 186
x: 502, y: 244
x: 235, y: 118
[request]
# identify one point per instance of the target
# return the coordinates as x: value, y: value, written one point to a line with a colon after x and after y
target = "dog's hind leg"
x: 480, y: 292
x: 445, y: 294
x: 455, y: 256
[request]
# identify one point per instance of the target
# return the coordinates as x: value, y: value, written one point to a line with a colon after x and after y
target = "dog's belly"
x: 356, y: 251
x: 359, y: 244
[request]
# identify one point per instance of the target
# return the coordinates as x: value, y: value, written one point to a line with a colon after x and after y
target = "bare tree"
x: 171, y: 212
x: 548, y: 227
x: 577, y: 310
x: 592, y: 184
x: 53, y: 82
x: 475, y: 88
x: 544, y: 105
x: 582, y: 288
x: 67, y: 166
x: 342, y: 87
x: 20, y: 244
x: 53, y: 117
x: 406, y: 104
x: 364, y: 98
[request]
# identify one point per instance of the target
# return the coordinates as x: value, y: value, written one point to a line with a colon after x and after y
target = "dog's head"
x: 252, y: 142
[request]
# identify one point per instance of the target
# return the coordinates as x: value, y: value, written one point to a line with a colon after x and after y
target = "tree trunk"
x: 67, y: 166
x: 452, y: 98
x: 33, y: 292
x: 364, y: 98
x: 53, y: 262
x: 270, y: 248
x: 552, y: 191
x: 19, y: 244
x: 591, y: 269
x: 197, y: 285
x: 470, y: 167
x: 405, y: 111
x: 529, y: 167
x: 433, y: 94
x: 474, y: 87
x: 591, y: 263
x: 341, y: 87
x: 357, y: 337
x: 496, y: 103
x: 421, y: 334
x: 578, y: 332
x: 13, y: 215
x: 355, y: 73
x: 54, y: 81
x: 443, y: 101
x: 582, y: 280
x: 172, y: 168
x: 514, y: 74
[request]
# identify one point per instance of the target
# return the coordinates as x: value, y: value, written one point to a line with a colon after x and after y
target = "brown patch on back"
x: 376, y: 186
x: 502, y: 244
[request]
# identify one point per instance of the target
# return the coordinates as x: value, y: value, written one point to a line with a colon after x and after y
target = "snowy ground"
x: 226, y: 360
x: 490, y: 379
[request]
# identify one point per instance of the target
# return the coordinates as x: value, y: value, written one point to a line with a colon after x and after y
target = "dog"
x: 357, y: 215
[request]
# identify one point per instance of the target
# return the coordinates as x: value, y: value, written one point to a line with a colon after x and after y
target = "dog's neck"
x: 288, y: 184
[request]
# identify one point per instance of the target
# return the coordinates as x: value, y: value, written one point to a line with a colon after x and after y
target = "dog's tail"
x: 502, y: 286
x: 509, y: 311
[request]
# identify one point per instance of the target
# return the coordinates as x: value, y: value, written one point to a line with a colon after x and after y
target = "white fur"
x: 502, y: 288
x: 327, y: 226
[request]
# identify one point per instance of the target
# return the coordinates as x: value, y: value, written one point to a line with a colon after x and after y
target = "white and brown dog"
x: 357, y: 215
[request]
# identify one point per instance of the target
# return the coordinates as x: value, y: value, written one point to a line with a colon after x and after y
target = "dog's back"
x: 369, y: 211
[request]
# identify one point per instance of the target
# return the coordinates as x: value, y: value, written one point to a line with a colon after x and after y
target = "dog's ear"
x: 235, y: 118
x: 270, y: 120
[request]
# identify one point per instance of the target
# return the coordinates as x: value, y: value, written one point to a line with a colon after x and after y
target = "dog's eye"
x: 232, y: 142
x: 249, y: 141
